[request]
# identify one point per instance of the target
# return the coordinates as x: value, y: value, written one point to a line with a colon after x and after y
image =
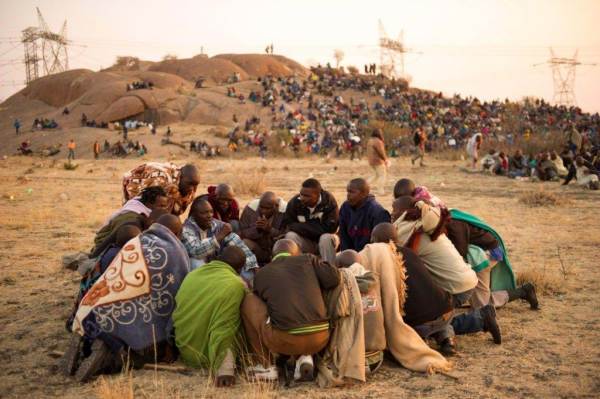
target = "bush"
x: 541, y: 198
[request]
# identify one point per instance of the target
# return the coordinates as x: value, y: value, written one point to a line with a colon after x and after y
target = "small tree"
x: 339, y: 56
x: 169, y: 57
x: 127, y: 61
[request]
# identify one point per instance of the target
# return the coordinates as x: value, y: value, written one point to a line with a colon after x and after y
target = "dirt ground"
x: 47, y: 211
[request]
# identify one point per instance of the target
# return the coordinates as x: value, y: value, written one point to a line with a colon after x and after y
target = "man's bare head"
x: 267, y: 204
x: 347, y: 258
x: 225, y: 196
x: 286, y: 245
x: 384, y: 232
x: 189, y: 179
x: 126, y: 233
x: 234, y: 257
x: 172, y: 223
x: 403, y: 188
x: 401, y: 205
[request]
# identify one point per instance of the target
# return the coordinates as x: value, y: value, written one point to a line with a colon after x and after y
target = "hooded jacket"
x: 356, y: 224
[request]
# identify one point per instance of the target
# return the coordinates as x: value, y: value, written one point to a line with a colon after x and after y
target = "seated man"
x: 207, y: 315
x: 560, y: 166
x: 483, y: 248
x: 517, y: 165
x: 420, y: 228
x: 585, y: 174
x: 406, y: 187
x: 134, y: 212
x: 428, y: 308
x: 129, y: 307
x: 359, y: 215
x: 311, y: 219
x: 205, y: 237
x: 546, y: 169
x: 225, y: 207
x: 261, y: 224
x: 179, y: 183
x: 286, y: 315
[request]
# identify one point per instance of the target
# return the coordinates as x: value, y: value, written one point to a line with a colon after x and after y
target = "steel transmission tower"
x: 52, y: 47
x: 392, y: 55
x: 563, y: 75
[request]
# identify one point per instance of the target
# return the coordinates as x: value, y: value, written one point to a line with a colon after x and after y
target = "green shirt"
x: 207, y: 315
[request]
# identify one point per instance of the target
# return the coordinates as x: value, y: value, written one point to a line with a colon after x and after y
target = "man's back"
x: 291, y: 286
x: 207, y: 316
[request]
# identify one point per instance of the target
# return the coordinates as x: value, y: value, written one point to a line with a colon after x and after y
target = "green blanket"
x: 503, y: 277
x: 207, y: 316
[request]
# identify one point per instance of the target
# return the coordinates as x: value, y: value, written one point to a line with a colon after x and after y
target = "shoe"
x: 488, y: 313
x: 70, y: 360
x: 91, y: 365
x: 448, y: 347
x: 530, y: 296
x: 304, y: 368
x: 260, y: 373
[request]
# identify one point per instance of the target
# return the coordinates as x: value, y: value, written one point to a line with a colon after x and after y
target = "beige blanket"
x: 344, y: 357
x: 403, y: 342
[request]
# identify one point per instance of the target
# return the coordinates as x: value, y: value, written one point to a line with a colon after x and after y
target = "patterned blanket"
x: 134, y: 298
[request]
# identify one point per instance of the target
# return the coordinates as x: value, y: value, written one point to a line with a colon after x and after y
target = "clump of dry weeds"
x: 547, y: 283
x: 251, y: 183
x: 541, y: 198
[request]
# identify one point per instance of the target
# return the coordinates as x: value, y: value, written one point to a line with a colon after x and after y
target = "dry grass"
x: 120, y: 387
x: 541, y: 198
x: 249, y: 183
x: 547, y: 283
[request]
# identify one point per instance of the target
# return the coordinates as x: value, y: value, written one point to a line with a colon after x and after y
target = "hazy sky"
x: 484, y: 48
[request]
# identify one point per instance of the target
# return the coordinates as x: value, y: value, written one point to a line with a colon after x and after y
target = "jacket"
x: 323, y: 220
x: 356, y: 224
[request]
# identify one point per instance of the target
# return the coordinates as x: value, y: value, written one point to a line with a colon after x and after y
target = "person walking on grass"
x: 71, y: 147
x: 96, y: 149
x: 377, y: 160
x: 419, y: 139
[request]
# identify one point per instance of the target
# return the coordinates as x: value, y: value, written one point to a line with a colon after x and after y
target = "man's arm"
x: 345, y: 240
x: 328, y: 275
x: 197, y: 248
x: 380, y: 150
x: 248, y: 225
x: 430, y: 216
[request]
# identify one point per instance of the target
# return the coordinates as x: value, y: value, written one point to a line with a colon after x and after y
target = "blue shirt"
x: 356, y: 224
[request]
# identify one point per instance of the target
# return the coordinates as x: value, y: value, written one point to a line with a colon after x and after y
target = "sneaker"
x: 304, y: 368
x: 530, y: 296
x: 94, y: 363
x: 448, y: 347
x: 260, y: 373
x: 488, y: 313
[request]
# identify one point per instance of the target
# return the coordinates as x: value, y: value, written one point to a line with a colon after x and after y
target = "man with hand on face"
x: 205, y: 237
x: 359, y: 215
x: 311, y: 219
x: 225, y: 207
x: 261, y: 223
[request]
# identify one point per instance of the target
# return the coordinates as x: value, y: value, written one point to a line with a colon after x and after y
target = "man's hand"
x: 225, y: 231
x: 225, y: 381
x: 263, y: 224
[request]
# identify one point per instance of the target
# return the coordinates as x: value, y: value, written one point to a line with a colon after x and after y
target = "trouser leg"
x: 482, y: 295
x: 263, y: 256
x: 254, y: 316
x: 467, y: 323
x: 327, y: 246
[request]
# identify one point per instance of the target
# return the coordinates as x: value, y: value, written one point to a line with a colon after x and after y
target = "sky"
x: 483, y: 48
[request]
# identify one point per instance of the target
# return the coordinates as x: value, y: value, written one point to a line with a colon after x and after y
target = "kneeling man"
x: 286, y: 315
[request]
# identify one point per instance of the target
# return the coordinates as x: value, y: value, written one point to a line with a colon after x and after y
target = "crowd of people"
x: 576, y: 161
x: 308, y: 289
x: 140, y: 85
x: 316, y: 118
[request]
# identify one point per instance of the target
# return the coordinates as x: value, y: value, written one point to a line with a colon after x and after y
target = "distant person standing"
x: 17, y: 126
x: 473, y: 146
x: 419, y: 140
x: 377, y: 160
x: 96, y: 149
x: 71, y: 147
x: 125, y: 131
x: 169, y: 134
